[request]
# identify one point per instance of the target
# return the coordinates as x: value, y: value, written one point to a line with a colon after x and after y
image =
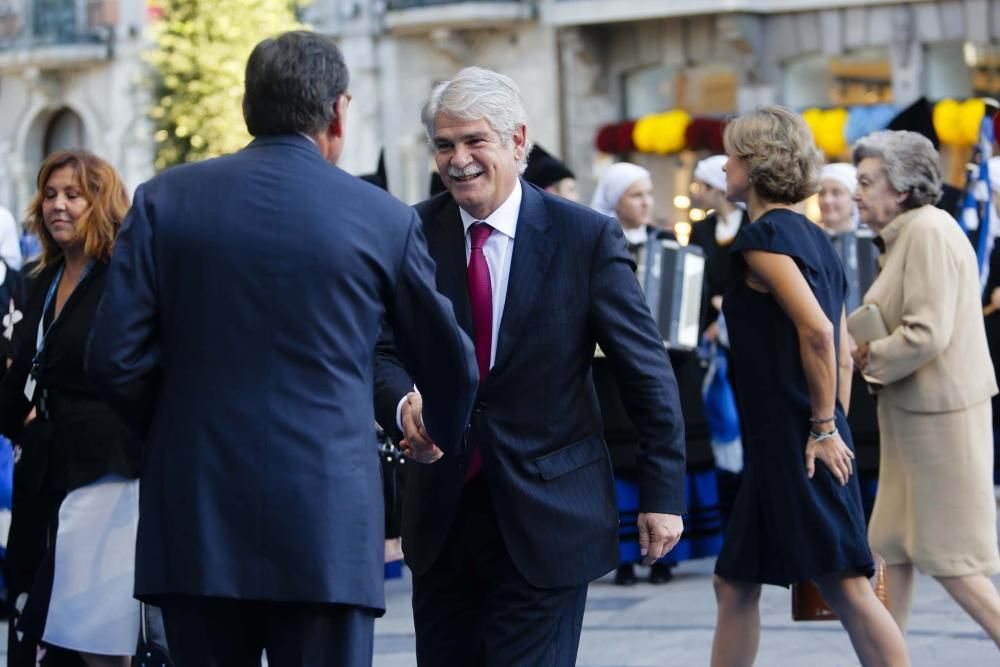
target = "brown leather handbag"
x: 808, y: 604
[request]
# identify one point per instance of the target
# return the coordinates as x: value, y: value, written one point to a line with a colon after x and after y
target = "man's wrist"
x: 399, y: 408
x: 399, y: 414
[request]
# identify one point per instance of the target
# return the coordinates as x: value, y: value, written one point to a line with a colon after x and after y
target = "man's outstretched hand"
x: 416, y: 444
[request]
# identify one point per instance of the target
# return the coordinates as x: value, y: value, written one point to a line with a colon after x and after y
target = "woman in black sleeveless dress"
x: 798, y: 515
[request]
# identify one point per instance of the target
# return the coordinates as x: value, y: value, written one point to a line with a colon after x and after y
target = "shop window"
x: 946, y: 72
x: 807, y: 82
x: 708, y: 89
x: 983, y: 62
x: 649, y: 90
x: 859, y: 78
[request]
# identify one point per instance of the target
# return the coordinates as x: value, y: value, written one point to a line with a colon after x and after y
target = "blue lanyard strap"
x: 43, y: 333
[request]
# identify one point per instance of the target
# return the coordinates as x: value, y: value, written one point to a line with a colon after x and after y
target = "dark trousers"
x: 473, y: 608
x: 216, y: 632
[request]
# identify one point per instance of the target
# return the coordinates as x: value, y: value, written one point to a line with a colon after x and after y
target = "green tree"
x: 201, y: 49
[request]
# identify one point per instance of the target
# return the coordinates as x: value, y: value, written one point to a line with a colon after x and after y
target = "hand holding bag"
x: 866, y: 324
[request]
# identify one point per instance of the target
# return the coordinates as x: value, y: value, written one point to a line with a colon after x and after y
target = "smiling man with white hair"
x: 503, y: 538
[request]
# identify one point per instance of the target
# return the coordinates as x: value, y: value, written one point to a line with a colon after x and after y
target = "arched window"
x: 64, y: 130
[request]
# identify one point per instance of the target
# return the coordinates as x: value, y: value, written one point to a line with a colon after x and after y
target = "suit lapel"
x: 533, y: 247
x: 446, y: 242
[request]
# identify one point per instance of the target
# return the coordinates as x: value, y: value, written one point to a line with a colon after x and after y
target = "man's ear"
x: 339, y: 121
x: 520, y: 141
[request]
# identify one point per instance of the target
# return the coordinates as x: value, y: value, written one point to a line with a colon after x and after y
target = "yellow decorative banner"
x: 661, y: 133
x: 957, y: 123
x: 828, y: 129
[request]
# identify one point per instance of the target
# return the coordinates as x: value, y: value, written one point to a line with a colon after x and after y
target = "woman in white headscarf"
x: 715, y: 235
x: 839, y: 216
x: 837, y: 182
x: 625, y: 193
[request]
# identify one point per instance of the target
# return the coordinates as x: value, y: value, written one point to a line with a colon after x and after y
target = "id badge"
x: 29, y: 388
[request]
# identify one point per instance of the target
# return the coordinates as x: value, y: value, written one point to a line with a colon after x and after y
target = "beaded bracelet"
x: 815, y: 420
x: 820, y: 437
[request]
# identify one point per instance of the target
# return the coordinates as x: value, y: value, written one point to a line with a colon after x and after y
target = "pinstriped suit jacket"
x: 536, y: 418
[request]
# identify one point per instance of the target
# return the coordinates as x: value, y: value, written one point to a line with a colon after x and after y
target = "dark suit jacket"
x: 243, y: 305
x: 717, y: 262
x: 84, y: 439
x: 536, y: 418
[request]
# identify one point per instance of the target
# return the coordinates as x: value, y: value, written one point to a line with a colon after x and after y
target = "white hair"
x: 910, y: 162
x: 476, y: 93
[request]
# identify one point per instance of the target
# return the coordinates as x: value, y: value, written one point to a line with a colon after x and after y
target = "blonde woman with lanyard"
x: 92, y: 457
x: 625, y: 192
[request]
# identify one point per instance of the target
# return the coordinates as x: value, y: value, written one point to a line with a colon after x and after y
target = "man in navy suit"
x: 504, y: 537
x: 237, y: 332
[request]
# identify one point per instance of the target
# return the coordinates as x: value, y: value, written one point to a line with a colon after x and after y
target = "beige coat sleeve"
x: 929, y: 284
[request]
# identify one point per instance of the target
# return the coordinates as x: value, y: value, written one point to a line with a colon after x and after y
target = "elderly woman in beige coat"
x: 935, y: 507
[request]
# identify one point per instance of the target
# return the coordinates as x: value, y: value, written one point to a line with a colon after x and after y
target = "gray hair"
x: 292, y: 84
x: 476, y: 93
x: 910, y: 162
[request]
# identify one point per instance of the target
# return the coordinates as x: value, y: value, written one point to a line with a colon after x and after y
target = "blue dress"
x: 785, y: 527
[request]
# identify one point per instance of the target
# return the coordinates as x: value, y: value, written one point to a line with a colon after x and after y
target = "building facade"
x: 70, y: 75
x: 622, y: 59
x: 71, y: 70
x: 586, y: 63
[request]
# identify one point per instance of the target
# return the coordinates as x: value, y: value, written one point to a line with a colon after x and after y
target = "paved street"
x: 672, y: 625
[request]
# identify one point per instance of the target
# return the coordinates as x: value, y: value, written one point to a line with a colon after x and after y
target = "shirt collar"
x: 636, y: 235
x: 311, y: 140
x: 891, y: 231
x: 726, y: 226
x: 504, y: 219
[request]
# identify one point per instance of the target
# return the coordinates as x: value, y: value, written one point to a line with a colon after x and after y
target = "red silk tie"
x: 481, y: 300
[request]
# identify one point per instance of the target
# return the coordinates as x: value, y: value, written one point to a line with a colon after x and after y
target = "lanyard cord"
x: 43, y: 333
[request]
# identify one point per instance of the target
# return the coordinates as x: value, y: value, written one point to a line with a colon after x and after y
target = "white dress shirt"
x: 498, y: 250
x: 727, y: 226
x: 636, y: 235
